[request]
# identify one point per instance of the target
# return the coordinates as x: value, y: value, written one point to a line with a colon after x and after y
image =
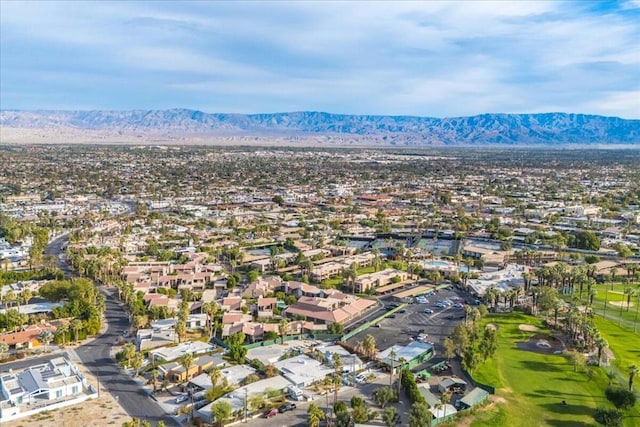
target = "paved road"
x: 55, y: 249
x: 95, y: 355
x: 18, y: 365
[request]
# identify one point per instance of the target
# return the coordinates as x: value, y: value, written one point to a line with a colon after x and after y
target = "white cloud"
x: 422, y: 58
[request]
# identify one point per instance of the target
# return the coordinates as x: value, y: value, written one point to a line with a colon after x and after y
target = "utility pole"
x: 246, y: 396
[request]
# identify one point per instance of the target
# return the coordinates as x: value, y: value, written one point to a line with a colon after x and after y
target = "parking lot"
x: 406, y: 325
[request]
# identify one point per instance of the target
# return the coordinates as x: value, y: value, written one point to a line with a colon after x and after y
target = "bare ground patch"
x: 528, y: 328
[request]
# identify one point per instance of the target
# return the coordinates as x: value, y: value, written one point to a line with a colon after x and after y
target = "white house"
x: 41, y: 387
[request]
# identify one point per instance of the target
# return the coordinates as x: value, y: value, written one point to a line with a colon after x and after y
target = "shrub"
x: 340, y: 407
x: 608, y: 417
x: 621, y: 398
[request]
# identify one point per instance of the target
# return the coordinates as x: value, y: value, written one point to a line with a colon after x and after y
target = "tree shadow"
x: 570, y: 408
x: 566, y: 423
x: 532, y: 365
x: 563, y: 394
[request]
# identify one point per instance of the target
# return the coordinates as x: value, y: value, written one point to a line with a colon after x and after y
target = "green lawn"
x: 624, y: 344
x: 533, y: 385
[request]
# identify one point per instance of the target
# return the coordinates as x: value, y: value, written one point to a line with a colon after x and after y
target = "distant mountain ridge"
x: 529, y: 129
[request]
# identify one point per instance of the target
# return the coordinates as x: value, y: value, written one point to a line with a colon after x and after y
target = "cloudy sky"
x: 429, y: 58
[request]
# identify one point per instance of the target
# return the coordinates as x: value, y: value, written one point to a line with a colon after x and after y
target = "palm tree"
x: 75, y: 326
x: 402, y: 361
x: 45, y: 338
x: 612, y: 273
x: 633, y: 371
x: 601, y: 344
x: 187, y: 362
x: 392, y: 356
x: 283, y: 328
x: 629, y: 292
x: 215, y: 376
x: 337, y: 367
x: 211, y: 309
x: 314, y: 416
x: 369, y: 346
x: 62, y: 332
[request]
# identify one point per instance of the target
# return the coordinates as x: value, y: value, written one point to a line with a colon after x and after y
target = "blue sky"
x: 437, y: 59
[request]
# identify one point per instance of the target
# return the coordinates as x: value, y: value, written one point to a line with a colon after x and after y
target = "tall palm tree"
x: 75, y: 326
x: 337, y: 380
x: 369, y: 346
x: 215, y: 376
x: 401, y: 361
x: 283, y: 329
x: 211, y: 309
x: 633, y: 371
x: 601, y: 344
x: 187, y: 362
x: 629, y: 292
x: 62, y: 332
x: 392, y: 356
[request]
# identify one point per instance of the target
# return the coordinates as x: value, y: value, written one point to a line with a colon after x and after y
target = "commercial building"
x: 302, y: 370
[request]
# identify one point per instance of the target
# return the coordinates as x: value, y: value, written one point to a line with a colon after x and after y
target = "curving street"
x: 96, y: 354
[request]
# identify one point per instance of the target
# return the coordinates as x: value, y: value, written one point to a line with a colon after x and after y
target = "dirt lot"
x: 104, y: 411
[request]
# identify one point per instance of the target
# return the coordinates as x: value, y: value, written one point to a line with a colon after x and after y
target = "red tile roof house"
x: 27, y: 338
x: 324, y: 311
x: 234, y: 322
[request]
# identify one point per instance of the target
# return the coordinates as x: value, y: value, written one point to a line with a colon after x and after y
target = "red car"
x: 271, y: 413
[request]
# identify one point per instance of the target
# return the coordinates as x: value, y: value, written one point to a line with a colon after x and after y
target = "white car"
x: 360, y: 378
x: 181, y: 398
x: 428, y: 311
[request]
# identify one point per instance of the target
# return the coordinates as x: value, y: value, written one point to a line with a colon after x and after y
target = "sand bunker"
x: 528, y: 328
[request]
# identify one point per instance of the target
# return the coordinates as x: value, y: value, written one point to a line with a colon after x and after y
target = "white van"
x: 294, y: 393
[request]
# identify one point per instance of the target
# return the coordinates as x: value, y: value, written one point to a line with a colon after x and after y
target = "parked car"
x: 287, y: 407
x: 428, y: 311
x: 360, y: 378
x: 271, y: 413
x: 181, y: 398
x: 401, y: 311
x: 458, y: 305
x: 391, y: 316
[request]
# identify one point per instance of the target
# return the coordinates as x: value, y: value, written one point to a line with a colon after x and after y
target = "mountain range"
x: 298, y: 127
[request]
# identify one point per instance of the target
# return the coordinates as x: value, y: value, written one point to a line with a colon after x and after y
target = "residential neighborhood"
x: 302, y: 295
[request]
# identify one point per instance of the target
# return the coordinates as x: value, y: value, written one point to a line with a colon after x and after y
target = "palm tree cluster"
x: 367, y: 347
